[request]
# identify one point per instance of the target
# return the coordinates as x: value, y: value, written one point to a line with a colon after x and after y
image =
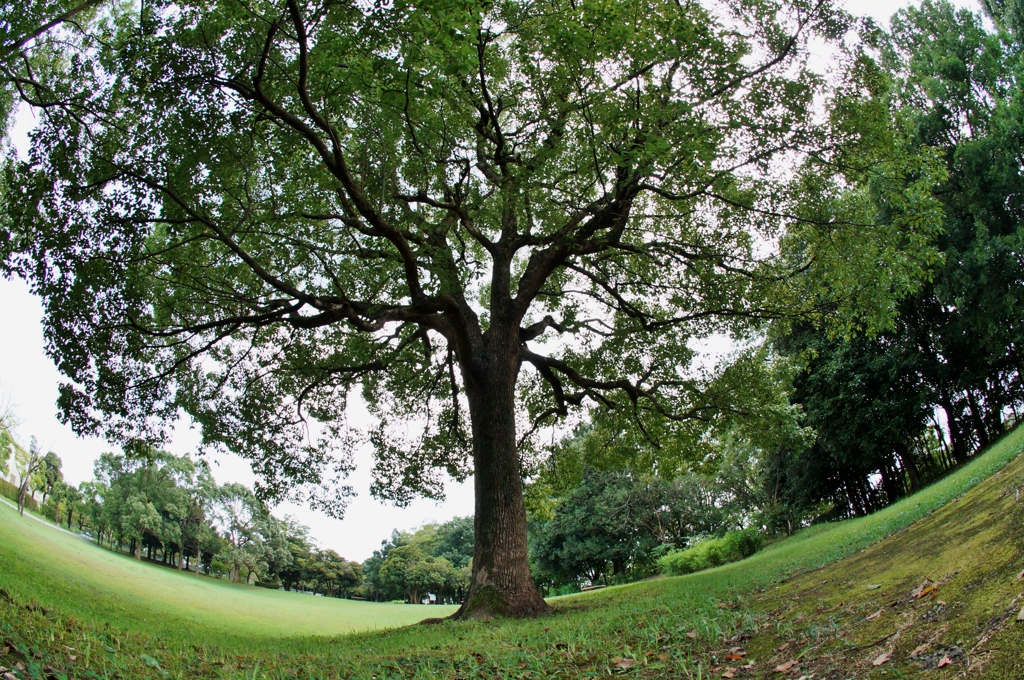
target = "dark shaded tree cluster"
x: 896, y: 410
x: 615, y: 525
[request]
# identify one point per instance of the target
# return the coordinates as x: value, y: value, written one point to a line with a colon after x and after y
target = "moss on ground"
x: 942, y: 592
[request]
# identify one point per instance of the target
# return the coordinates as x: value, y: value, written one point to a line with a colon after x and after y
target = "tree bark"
x: 909, y: 465
x: 22, y: 495
x: 500, y: 584
x: 979, y: 424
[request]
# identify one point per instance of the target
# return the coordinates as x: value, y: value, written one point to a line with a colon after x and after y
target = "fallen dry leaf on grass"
x: 916, y: 592
x: 783, y: 648
x: 692, y: 635
x: 1020, y: 616
x: 786, y: 667
x: 881, y: 658
x: 945, y: 661
x: 625, y: 664
x: 917, y: 650
x: 735, y: 656
x: 729, y: 673
x: 874, y: 616
x: 1020, y: 575
x: 926, y: 591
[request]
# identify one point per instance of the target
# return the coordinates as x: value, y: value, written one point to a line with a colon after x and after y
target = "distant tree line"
x: 169, y: 509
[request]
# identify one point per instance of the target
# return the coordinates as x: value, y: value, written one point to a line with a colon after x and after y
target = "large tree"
x: 246, y: 210
x: 959, y: 83
x: 28, y: 465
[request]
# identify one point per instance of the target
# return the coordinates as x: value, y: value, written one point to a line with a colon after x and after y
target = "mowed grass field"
x: 87, y: 581
x: 809, y: 601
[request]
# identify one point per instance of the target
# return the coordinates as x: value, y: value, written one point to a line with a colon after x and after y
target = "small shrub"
x: 743, y: 543
x: 679, y: 562
x: 11, y: 491
x: 713, y: 552
x: 270, y: 585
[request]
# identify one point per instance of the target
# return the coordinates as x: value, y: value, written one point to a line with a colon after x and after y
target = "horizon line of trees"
x: 168, y: 509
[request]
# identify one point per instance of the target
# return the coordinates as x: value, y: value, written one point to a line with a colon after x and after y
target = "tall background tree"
x: 488, y: 217
x: 28, y: 464
x: 249, y: 529
x: 895, y: 410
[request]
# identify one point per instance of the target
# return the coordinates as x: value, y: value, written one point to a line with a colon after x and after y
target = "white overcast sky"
x: 30, y: 380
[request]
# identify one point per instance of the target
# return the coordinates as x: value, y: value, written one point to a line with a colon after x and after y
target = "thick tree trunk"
x: 138, y: 549
x: 501, y: 583
x: 909, y: 465
x: 976, y: 417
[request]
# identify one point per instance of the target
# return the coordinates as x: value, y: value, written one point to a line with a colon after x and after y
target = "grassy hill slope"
x: 807, y: 604
x: 81, y: 579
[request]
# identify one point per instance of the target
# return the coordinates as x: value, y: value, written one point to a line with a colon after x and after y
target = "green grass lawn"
x: 62, y: 593
x: 84, y: 580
